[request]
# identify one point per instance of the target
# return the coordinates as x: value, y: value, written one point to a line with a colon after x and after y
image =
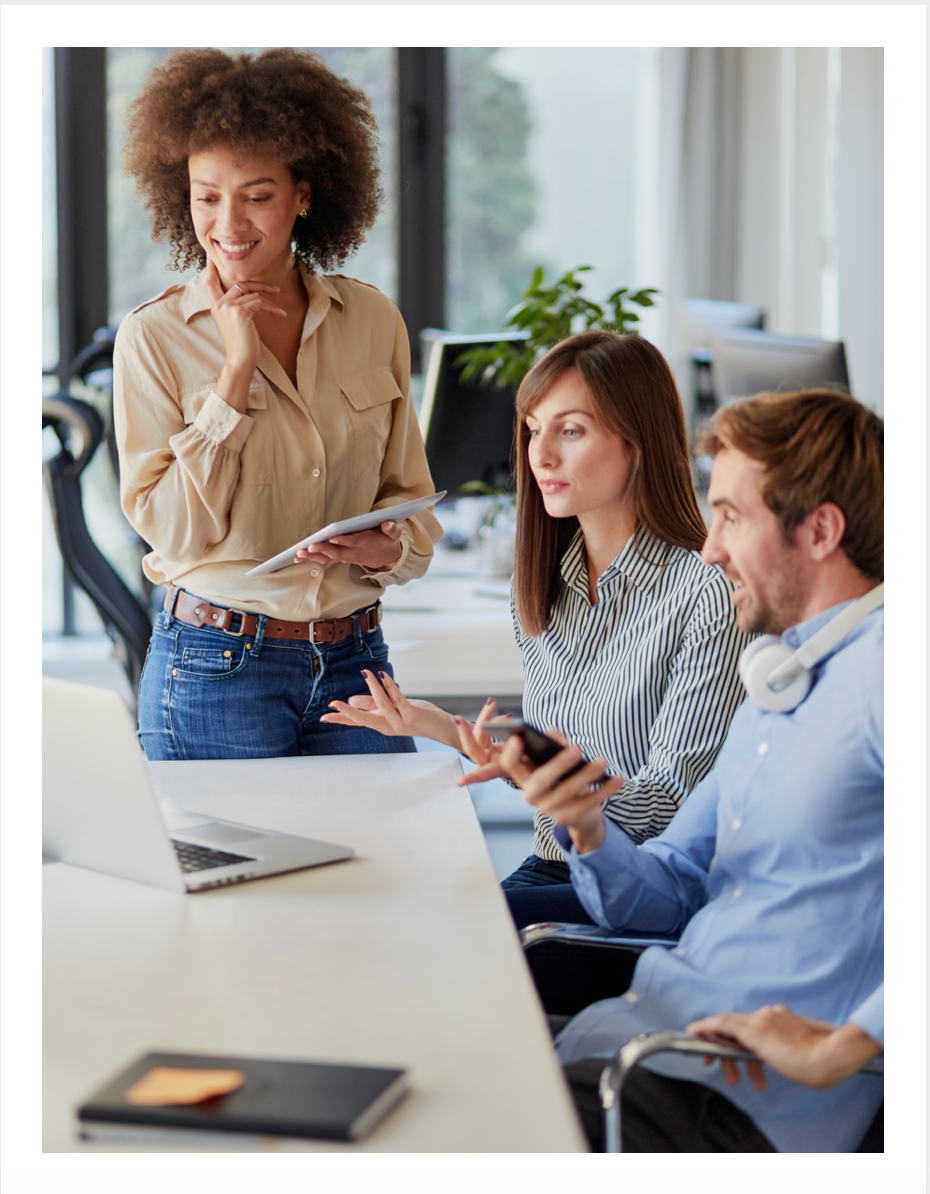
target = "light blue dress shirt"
x: 772, y: 873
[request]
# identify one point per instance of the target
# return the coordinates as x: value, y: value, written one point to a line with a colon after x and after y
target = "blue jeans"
x: 540, y: 890
x: 205, y: 694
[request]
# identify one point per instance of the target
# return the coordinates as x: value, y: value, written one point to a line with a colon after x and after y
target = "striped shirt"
x: 646, y: 678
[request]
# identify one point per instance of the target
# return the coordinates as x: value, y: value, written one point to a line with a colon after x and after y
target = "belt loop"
x: 357, y: 631
x: 173, y: 592
x: 259, y: 637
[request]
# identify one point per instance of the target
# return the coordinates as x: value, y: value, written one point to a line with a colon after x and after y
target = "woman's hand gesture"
x: 474, y: 742
x: 389, y: 712
x: 234, y: 311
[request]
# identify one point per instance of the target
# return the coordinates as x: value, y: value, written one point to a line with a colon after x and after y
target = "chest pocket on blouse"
x: 256, y: 461
x: 370, y: 397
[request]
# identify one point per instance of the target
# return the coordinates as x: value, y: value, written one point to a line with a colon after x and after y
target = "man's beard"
x: 773, y: 613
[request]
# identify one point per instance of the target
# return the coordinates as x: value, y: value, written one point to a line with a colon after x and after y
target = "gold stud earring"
x: 303, y: 213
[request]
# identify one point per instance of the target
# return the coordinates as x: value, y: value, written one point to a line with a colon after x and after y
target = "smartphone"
x: 538, y: 747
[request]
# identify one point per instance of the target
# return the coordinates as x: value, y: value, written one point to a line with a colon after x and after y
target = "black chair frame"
x: 80, y: 429
x: 615, y: 1072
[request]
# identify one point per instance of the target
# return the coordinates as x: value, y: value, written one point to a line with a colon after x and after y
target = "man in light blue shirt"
x: 771, y: 873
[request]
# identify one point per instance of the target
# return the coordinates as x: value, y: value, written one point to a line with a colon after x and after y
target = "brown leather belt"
x: 197, y: 612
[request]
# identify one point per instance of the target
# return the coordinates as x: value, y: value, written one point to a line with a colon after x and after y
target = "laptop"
x: 100, y: 811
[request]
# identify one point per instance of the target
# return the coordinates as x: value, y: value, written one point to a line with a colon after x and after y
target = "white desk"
x: 451, y: 636
x: 403, y: 956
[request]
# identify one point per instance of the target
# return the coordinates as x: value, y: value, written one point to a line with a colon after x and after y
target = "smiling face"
x: 244, y: 208
x: 581, y: 467
x: 746, y: 539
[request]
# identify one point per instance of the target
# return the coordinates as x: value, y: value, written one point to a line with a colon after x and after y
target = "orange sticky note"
x: 164, y: 1085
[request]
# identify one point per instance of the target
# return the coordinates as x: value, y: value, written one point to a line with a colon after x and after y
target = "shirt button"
x: 314, y: 572
x: 632, y: 996
x: 762, y: 747
x: 681, y: 952
x: 734, y: 825
x: 737, y: 891
x: 315, y: 473
x: 225, y: 427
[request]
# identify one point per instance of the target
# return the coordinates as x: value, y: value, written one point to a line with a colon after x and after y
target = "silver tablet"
x: 347, y: 526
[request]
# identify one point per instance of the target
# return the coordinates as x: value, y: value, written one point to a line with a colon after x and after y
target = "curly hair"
x: 283, y: 104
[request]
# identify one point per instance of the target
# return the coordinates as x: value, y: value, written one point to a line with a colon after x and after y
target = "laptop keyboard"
x: 202, y: 858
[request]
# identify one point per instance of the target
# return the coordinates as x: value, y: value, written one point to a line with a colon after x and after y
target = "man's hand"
x: 570, y: 801
x: 812, y: 1052
x: 378, y: 549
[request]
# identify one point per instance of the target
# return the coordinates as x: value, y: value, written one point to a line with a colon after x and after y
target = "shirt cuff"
x: 584, y: 877
x: 223, y: 424
x: 870, y: 1015
x: 385, y: 576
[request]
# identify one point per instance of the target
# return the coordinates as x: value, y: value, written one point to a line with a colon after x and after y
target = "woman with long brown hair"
x: 628, y: 640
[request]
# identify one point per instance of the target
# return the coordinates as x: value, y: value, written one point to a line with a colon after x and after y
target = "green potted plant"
x: 547, y: 314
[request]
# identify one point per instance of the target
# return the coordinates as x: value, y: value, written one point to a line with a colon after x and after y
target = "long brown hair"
x: 633, y: 393
x: 816, y: 446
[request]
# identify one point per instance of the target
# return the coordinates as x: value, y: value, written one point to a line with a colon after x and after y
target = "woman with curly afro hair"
x: 259, y: 402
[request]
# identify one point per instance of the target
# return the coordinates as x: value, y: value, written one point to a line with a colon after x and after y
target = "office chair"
x: 645, y: 1045
x: 93, y: 366
x: 97, y: 358
x: 80, y: 429
x: 615, y: 1073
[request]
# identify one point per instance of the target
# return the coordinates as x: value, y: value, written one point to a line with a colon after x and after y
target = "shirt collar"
x: 641, y: 560
x: 320, y: 290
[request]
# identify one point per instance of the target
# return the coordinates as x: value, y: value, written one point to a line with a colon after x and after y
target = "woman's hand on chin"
x: 388, y: 711
x: 234, y: 312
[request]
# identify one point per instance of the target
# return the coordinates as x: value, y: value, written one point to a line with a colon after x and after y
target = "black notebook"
x: 277, y: 1098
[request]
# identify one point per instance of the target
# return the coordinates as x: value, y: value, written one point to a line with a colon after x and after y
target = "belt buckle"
x: 241, y: 631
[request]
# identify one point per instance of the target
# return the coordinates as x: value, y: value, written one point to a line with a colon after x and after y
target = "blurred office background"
x: 750, y: 176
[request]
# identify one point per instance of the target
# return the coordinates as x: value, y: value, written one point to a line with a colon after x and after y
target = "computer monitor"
x: 467, y: 427
x: 701, y: 318
x: 749, y: 362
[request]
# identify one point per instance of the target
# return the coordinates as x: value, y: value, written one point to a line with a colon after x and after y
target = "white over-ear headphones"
x: 778, y: 678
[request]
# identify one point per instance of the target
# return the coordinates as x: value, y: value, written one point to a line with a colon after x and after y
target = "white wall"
x: 860, y: 221
x: 809, y: 234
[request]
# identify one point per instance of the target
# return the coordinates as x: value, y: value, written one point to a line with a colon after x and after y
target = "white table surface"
x: 450, y: 633
x: 404, y: 956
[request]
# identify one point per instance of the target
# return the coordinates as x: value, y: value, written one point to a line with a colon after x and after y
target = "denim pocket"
x: 377, y: 655
x: 210, y: 661
x: 375, y: 648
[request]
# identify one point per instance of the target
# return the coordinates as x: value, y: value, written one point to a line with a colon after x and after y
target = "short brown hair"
x: 634, y: 394
x: 816, y: 446
x: 283, y: 104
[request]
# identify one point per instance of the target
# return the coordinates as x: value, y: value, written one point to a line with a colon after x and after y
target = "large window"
x: 49, y: 215
x: 545, y: 167
x: 138, y: 268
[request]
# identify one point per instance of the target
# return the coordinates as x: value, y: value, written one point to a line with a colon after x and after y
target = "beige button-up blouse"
x: 216, y: 492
